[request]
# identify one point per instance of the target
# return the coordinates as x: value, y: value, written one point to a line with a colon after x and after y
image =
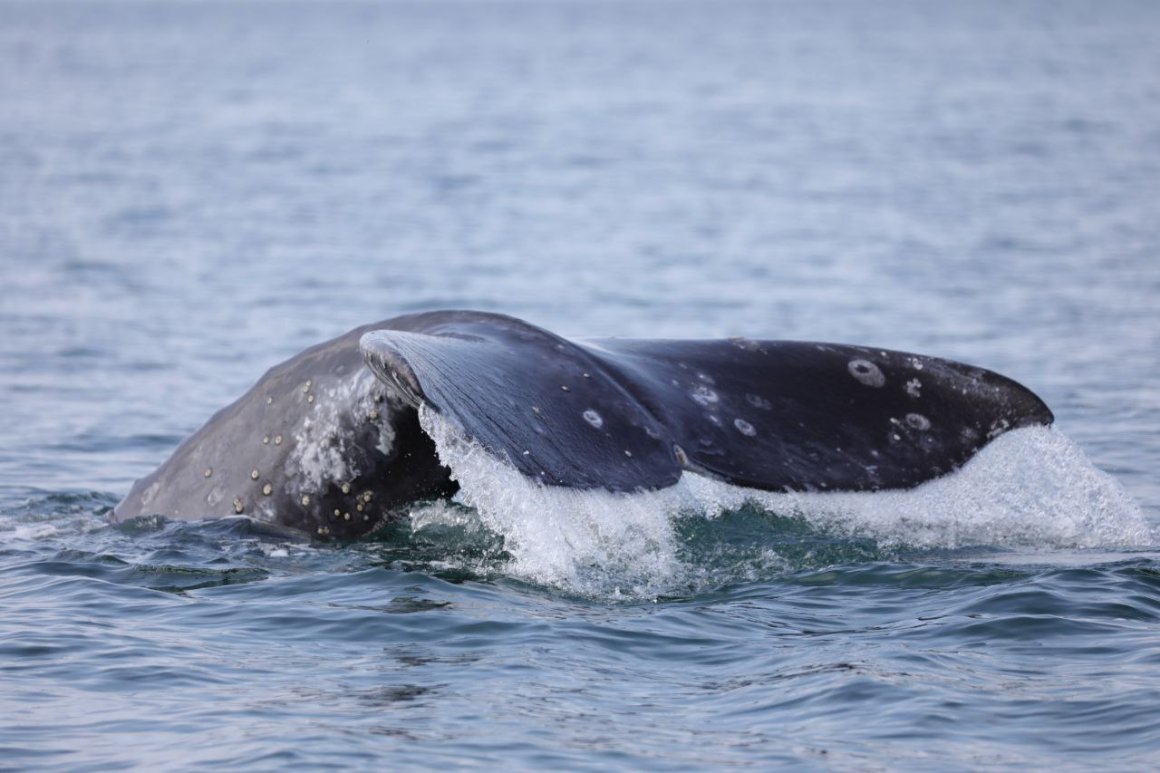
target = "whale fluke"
x: 324, y: 443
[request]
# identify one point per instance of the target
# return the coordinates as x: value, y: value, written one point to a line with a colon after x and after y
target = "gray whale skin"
x: 330, y: 442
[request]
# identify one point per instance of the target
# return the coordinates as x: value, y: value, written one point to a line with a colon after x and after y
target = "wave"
x: 1031, y: 489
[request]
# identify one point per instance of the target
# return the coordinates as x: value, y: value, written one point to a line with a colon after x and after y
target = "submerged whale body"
x: 331, y: 441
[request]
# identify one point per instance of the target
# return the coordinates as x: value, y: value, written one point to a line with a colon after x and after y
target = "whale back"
x: 318, y: 444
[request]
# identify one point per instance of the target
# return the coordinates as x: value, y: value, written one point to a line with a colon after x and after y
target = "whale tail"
x: 632, y: 414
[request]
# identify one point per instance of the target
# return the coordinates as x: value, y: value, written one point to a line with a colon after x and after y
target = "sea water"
x: 191, y: 192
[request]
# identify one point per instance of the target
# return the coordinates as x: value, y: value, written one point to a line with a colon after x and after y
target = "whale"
x: 332, y: 442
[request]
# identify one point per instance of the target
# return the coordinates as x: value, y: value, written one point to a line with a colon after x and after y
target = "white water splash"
x: 1030, y: 488
x: 563, y: 537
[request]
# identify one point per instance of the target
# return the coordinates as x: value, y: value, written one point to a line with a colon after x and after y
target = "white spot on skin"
x: 918, y: 421
x: 682, y: 457
x: 148, y: 494
x: 238, y: 507
x: 267, y: 489
x: 757, y: 401
x: 866, y: 373
x: 914, y: 387
x: 208, y: 472
x: 744, y: 427
x: 278, y: 440
x: 704, y: 396
x: 593, y: 418
x: 253, y: 475
x: 321, y: 452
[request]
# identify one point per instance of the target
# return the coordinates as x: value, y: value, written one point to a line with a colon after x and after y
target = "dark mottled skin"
x: 257, y: 432
x: 320, y: 445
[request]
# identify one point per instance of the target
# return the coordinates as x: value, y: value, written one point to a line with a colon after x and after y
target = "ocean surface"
x: 191, y: 192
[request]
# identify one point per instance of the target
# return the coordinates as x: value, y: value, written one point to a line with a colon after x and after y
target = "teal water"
x: 191, y: 192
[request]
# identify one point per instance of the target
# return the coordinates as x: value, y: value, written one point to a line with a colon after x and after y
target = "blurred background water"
x: 190, y: 192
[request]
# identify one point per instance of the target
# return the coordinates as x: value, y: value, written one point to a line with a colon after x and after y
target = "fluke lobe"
x: 326, y: 444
